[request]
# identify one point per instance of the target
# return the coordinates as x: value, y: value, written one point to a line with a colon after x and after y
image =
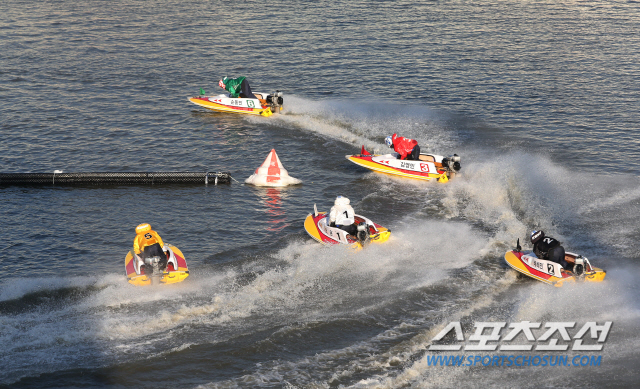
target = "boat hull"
x: 549, y: 272
x: 316, y: 227
x: 177, y: 270
x: 224, y: 103
x: 389, y: 164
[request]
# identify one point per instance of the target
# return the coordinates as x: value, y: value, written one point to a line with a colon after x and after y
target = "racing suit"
x: 550, y: 249
x: 407, y: 148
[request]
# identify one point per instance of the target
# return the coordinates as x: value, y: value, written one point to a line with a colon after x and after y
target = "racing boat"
x: 553, y: 273
x: 430, y: 166
x: 316, y: 225
x: 149, y: 271
x: 265, y: 104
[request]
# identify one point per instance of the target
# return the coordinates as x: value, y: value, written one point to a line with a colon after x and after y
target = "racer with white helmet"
x: 237, y: 87
x: 342, y: 216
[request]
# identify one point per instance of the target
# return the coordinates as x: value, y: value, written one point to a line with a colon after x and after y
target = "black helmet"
x: 536, y: 236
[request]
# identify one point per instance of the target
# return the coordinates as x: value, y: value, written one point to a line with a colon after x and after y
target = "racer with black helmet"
x: 546, y: 247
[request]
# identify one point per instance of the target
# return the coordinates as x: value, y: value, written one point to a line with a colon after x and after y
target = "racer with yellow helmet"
x: 148, y: 244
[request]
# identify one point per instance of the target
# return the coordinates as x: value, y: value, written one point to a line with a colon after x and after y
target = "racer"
x: 407, y: 148
x: 148, y: 244
x: 342, y: 216
x: 237, y: 87
x: 546, y: 247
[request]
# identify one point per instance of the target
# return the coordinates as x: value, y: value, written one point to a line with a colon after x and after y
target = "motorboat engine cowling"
x: 275, y: 101
x: 155, y: 264
x: 578, y: 267
x: 363, y: 232
x: 452, y: 163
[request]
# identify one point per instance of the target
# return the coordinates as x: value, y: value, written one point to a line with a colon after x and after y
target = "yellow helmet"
x: 142, y: 228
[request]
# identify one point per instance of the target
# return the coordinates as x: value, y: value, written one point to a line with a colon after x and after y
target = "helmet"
x: 340, y: 200
x: 536, y: 236
x: 389, y: 141
x: 142, y: 228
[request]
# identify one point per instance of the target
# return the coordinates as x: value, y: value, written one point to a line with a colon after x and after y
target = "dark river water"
x: 540, y: 99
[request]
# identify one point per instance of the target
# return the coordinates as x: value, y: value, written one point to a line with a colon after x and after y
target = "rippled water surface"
x: 540, y: 99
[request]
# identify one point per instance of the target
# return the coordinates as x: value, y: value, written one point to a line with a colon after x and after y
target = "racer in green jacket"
x: 237, y: 87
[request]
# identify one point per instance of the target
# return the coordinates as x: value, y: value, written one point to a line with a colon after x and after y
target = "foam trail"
x: 367, y: 123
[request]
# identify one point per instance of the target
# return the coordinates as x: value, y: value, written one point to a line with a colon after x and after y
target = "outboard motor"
x: 451, y: 164
x: 156, y: 266
x: 363, y: 233
x: 578, y: 267
x: 275, y: 101
x: 153, y: 264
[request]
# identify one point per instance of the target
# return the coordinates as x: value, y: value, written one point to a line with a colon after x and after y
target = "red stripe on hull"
x: 412, y: 172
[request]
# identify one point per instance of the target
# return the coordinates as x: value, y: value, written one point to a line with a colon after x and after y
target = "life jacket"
x: 342, y: 213
x: 542, y: 248
x: 145, y: 239
x: 402, y: 145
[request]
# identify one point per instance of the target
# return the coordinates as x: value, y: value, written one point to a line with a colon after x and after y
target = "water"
x: 540, y: 100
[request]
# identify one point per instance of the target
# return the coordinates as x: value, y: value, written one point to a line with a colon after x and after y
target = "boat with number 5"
x: 155, y: 270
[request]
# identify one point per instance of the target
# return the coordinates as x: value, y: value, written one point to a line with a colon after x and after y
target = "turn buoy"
x: 272, y: 173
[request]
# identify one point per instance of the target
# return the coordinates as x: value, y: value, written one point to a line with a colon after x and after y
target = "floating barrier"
x: 83, y: 179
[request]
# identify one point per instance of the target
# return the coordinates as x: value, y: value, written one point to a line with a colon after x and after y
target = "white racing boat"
x: 264, y: 105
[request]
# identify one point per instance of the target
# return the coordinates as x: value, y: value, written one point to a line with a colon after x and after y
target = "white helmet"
x: 340, y: 200
x: 389, y: 141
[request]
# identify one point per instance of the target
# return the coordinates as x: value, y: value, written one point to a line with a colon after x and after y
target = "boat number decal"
x: 407, y: 165
x: 250, y: 104
x: 536, y: 264
x: 541, y: 266
x: 424, y: 167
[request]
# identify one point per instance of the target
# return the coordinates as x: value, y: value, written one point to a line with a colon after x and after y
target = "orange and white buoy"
x: 272, y: 173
